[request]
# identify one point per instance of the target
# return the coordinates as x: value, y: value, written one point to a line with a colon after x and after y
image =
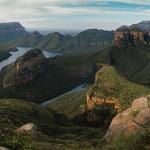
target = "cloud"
x: 74, y: 13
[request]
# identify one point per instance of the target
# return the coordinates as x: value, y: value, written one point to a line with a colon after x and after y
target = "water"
x: 79, y: 88
x: 21, y: 51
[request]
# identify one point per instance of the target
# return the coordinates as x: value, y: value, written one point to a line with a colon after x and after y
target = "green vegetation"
x: 50, y: 134
x: 109, y: 83
x: 16, y: 141
x: 134, y: 113
x: 71, y: 105
x: 139, y: 141
x: 15, y: 113
x: 62, y: 74
x: 133, y: 62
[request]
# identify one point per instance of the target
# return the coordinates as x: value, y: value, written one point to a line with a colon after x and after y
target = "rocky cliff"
x: 110, y: 94
x: 131, y: 36
x: 139, y: 32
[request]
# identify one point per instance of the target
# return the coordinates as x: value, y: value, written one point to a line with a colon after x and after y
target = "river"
x: 21, y: 51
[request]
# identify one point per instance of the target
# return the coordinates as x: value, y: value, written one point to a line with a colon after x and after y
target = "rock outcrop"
x: 25, y: 69
x: 132, y: 34
x: 132, y: 120
x: 92, y: 102
x: 29, y: 128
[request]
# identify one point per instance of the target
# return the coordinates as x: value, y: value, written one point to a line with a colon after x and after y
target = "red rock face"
x: 131, y: 37
x: 92, y: 102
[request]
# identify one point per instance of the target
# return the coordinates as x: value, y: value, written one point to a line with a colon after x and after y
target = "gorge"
x: 36, y: 107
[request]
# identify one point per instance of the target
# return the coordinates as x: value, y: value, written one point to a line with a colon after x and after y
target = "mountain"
x: 131, y: 53
x: 30, y: 40
x: 13, y: 34
x: 144, y: 25
x: 87, y: 41
x: 53, y: 41
x: 11, y: 31
x: 91, y: 40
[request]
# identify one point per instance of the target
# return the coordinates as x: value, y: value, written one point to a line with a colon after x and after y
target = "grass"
x: 50, y: 135
x: 138, y: 141
x: 15, y: 113
x: 71, y: 104
x: 134, y: 113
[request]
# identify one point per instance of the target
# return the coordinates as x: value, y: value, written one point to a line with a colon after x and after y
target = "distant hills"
x: 90, y: 40
x: 11, y: 31
x: 14, y: 34
x: 143, y: 25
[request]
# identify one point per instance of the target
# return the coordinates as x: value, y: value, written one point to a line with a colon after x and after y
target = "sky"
x: 74, y: 14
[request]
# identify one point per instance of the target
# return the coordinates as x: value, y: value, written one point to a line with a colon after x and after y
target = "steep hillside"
x: 131, y: 53
x: 110, y: 84
x: 71, y: 104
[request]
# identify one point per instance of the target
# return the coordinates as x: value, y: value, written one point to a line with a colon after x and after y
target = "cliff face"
x: 110, y: 94
x: 131, y: 37
x: 139, y: 32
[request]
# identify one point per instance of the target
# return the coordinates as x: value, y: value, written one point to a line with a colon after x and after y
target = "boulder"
x: 27, y: 128
x: 3, y: 148
x: 132, y: 120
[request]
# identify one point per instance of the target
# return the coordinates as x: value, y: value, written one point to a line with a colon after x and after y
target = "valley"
x: 83, y: 92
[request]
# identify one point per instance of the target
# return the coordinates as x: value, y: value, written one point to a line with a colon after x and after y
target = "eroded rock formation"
x: 131, y: 37
x: 92, y: 102
x: 101, y: 111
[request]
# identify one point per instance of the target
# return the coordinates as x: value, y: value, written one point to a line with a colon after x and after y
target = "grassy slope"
x: 71, y: 104
x: 109, y: 83
x: 131, y: 142
x: 51, y: 136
